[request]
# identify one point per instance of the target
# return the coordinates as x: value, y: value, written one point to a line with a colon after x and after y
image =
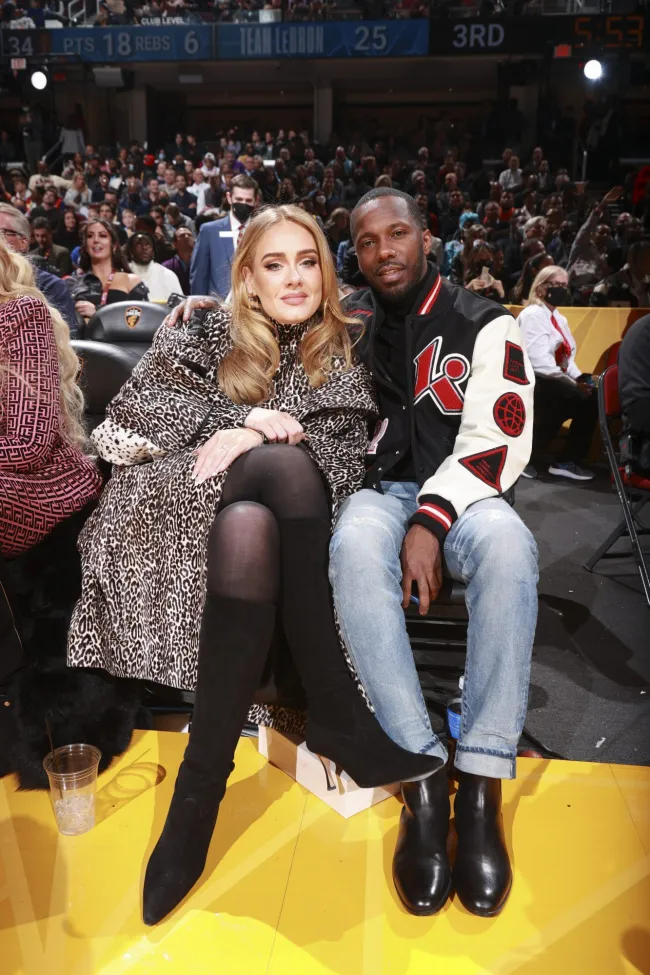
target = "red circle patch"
x: 510, y: 414
x: 454, y: 368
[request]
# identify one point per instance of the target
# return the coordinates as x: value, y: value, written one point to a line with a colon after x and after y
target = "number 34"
x: 371, y: 39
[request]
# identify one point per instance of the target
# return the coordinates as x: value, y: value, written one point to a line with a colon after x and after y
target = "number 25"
x: 377, y: 42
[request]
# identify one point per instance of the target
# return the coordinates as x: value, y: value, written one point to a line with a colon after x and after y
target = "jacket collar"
x: 431, y: 296
x: 363, y: 304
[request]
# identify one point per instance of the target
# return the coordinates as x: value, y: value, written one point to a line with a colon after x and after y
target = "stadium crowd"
x: 494, y: 226
x: 33, y: 14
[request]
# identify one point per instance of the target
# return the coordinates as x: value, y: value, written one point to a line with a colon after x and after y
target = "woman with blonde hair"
x: 233, y: 445
x: 562, y: 390
x: 78, y: 195
x: 44, y: 475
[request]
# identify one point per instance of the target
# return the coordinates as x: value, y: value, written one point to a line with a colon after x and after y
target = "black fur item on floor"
x: 80, y: 706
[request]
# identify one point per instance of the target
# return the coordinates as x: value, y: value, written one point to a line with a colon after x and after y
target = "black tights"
x: 263, y: 488
x: 270, y: 544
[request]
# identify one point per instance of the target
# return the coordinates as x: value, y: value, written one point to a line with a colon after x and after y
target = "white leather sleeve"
x: 494, y: 441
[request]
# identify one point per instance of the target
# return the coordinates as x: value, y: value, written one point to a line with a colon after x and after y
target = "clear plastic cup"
x: 73, y: 781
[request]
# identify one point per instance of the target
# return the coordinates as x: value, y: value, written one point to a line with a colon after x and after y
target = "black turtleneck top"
x: 390, y: 353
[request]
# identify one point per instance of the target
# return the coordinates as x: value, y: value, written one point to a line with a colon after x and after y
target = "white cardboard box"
x: 290, y: 753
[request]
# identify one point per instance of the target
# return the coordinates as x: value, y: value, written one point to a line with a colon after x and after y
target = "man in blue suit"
x: 217, y: 242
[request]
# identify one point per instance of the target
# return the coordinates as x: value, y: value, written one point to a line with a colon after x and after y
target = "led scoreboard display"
x: 612, y: 33
x: 526, y: 36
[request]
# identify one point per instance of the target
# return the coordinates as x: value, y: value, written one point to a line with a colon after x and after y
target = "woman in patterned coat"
x: 44, y: 475
x: 210, y: 529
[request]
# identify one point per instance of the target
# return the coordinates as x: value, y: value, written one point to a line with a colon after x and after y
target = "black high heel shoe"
x: 340, y: 725
x: 367, y: 753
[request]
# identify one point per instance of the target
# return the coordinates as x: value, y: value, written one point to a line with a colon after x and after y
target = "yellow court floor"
x: 291, y: 888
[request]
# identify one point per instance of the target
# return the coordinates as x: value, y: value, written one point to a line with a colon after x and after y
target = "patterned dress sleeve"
x: 30, y: 395
x: 336, y: 418
x: 170, y: 401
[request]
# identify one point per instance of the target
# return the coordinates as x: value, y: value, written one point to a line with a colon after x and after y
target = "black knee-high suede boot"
x: 234, y: 643
x: 340, y: 725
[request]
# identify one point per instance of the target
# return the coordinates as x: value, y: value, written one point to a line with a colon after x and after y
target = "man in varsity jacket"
x: 455, y: 391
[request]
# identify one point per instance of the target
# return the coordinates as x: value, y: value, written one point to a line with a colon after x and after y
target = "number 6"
x: 191, y: 43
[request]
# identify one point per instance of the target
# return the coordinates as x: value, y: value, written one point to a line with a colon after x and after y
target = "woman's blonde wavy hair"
x: 17, y: 280
x: 246, y: 373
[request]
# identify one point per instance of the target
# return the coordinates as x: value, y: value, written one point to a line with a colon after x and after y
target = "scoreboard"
x: 525, y: 36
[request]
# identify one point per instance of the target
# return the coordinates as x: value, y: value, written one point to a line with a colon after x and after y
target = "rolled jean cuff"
x: 486, y: 761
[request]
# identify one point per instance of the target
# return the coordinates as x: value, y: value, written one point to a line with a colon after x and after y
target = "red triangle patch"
x: 487, y: 466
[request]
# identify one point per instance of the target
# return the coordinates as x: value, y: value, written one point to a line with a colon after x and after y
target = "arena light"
x: 38, y: 80
x: 593, y: 70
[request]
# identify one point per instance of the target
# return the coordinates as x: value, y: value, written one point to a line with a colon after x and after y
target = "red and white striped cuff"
x: 436, y: 514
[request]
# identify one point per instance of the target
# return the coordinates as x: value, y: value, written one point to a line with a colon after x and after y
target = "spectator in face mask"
x: 562, y: 390
x: 217, y: 241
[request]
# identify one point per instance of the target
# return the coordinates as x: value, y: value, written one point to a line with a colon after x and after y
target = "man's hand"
x: 585, y: 389
x: 185, y: 309
x: 274, y: 425
x: 422, y: 564
x: 219, y: 452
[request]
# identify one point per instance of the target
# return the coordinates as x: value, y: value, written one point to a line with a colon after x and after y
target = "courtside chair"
x: 131, y: 324
x: 633, y: 490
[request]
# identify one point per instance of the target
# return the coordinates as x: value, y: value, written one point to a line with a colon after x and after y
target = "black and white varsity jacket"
x: 468, y: 415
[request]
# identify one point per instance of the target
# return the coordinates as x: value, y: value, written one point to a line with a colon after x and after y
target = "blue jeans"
x: 489, y: 549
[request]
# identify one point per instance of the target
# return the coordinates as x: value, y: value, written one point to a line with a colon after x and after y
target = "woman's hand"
x: 219, y: 452
x: 85, y: 308
x: 185, y: 308
x: 275, y: 425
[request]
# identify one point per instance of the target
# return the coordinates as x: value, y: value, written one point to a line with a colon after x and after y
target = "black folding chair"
x: 633, y: 490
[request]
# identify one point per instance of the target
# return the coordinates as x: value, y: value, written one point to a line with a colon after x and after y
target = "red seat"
x: 633, y: 490
x: 634, y: 480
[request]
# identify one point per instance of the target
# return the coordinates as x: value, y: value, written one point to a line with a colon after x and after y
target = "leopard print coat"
x: 144, y: 549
